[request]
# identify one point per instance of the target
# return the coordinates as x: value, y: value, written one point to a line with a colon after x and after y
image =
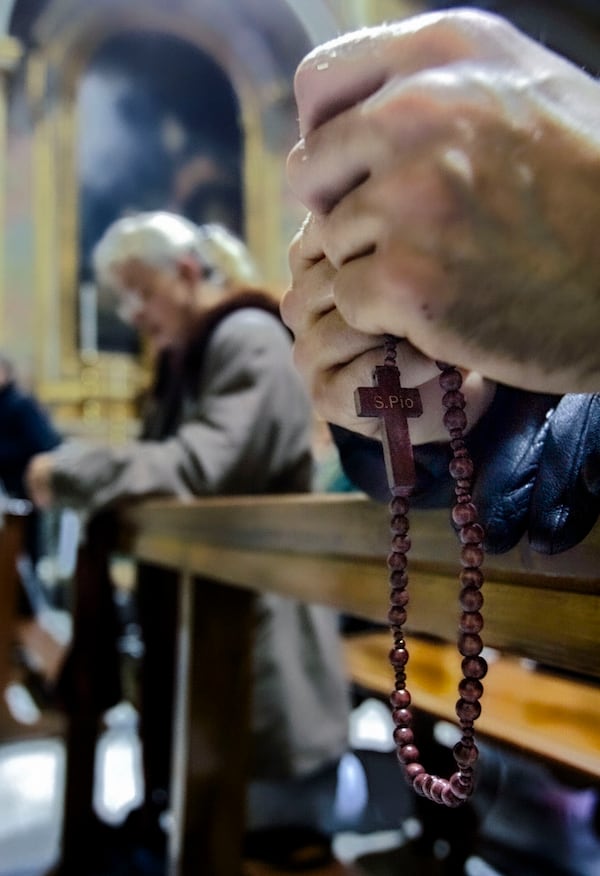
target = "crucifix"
x: 388, y: 400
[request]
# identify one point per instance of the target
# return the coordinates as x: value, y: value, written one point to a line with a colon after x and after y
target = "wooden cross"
x: 389, y: 401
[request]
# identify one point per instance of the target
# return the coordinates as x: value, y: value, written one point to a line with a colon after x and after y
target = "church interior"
x: 109, y: 107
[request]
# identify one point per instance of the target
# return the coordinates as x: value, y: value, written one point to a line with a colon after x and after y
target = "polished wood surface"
x: 332, y: 548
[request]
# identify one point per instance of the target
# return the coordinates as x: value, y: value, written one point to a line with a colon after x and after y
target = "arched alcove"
x: 158, y: 128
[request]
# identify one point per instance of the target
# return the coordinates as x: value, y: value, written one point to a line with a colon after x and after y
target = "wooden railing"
x: 331, y: 549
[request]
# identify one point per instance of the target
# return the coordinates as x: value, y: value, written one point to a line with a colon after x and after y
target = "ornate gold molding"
x: 87, y: 393
x: 10, y: 54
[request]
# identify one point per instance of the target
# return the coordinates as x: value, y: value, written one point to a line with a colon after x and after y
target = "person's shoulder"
x: 251, y: 323
x: 253, y: 316
x: 251, y: 337
x: 14, y: 398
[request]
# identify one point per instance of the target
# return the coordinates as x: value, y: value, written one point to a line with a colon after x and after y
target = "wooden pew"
x: 38, y: 646
x: 330, y: 549
x: 11, y: 544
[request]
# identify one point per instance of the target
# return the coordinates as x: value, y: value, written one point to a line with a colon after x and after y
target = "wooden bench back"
x: 331, y: 549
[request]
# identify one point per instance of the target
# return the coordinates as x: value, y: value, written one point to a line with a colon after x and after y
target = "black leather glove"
x: 537, y: 461
x: 565, y: 500
x: 507, y: 445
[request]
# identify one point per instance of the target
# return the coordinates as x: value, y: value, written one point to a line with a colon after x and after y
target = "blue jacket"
x: 25, y: 429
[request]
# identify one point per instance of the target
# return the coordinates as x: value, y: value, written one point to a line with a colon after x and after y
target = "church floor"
x: 31, y: 787
x: 31, y: 791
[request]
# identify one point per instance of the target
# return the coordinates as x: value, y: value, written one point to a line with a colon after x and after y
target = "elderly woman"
x: 227, y: 414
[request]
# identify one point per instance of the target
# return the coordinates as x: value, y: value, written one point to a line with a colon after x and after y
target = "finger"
x: 39, y: 494
x: 433, y: 116
x: 43, y: 499
x: 381, y: 293
x: 332, y: 344
x: 333, y: 392
x: 305, y: 247
x: 309, y: 296
x: 417, y: 205
x: 333, y: 354
x: 402, y: 121
x: 348, y: 69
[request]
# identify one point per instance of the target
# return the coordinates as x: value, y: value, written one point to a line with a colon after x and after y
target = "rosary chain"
x: 457, y: 789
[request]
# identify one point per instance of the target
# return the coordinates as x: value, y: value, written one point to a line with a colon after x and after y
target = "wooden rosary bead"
x: 461, y: 467
x: 401, y: 544
x: 471, y: 555
x: 474, y: 667
x: 471, y: 533
x: 460, y: 787
x: 470, y: 622
x: 450, y: 379
x: 412, y: 770
x: 399, y: 505
x: 470, y: 689
x: 465, y: 755
x: 471, y: 598
x: 450, y: 799
x: 408, y: 754
x: 397, y: 616
x: 398, y: 578
x: 467, y: 711
x: 403, y: 736
x: 400, y: 699
x: 397, y: 561
x: 469, y: 644
x: 471, y: 577
x: 455, y: 418
x: 453, y: 399
x: 398, y: 656
x: 438, y: 786
x: 464, y: 514
x: 399, y: 524
x: 399, y: 596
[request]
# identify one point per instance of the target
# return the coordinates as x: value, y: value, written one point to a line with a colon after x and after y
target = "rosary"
x: 391, y: 402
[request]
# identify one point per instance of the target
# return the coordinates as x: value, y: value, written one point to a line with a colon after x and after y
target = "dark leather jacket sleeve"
x: 537, y: 461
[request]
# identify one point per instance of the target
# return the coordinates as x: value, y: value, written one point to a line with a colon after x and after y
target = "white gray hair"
x: 159, y: 239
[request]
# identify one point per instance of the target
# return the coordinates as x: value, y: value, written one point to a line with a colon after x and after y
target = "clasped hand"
x: 450, y: 167
x: 38, y: 480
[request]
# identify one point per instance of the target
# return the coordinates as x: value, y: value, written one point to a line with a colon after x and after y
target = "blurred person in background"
x: 227, y: 414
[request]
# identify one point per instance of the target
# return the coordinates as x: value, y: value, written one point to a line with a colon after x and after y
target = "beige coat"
x: 237, y: 421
